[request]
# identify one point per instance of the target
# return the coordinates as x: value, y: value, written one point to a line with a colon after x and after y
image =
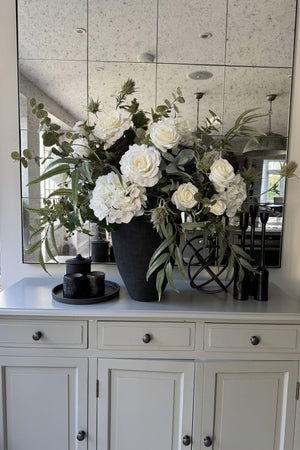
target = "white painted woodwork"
x: 243, y: 395
x: 144, y: 404
x: 129, y: 335
x: 44, y: 403
x: 237, y: 337
x: 65, y: 334
x: 248, y: 405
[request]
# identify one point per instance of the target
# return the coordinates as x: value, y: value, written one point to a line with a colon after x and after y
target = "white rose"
x: 219, y: 207
x: 235, y: 194
x: 164, y: 134
x: 184, y: 196
x: 111, y: 126
x: 81, y: 148
x: 117, y: 202
x: 221, y: 174
x: 140, y: 164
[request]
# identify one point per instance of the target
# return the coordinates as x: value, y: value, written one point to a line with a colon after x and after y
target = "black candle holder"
x: 262, y: 274
x: 253, y: 211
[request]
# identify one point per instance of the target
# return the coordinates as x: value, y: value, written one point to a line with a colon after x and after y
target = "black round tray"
x: 111, y: 290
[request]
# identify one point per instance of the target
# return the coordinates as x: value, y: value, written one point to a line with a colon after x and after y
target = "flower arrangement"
x: 130, y: 163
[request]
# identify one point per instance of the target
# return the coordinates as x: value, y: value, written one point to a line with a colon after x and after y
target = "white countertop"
x: 33, y: 297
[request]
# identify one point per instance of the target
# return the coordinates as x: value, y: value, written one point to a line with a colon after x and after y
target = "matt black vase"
x: 134, y: 244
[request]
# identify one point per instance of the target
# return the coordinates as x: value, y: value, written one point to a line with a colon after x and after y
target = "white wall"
x: 10, y: 220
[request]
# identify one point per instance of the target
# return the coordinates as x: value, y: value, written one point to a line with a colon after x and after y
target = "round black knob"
x: 37, y: 336
x: 255, y: 340
x: 186, y: 440
x: 146, y: 338
x: 207, y: 441
x: 81, y: 436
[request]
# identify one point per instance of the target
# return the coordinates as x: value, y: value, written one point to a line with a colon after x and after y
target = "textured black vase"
x: 134, y: 244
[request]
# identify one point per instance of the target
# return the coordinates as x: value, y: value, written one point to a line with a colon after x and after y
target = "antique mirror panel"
x: 234, y: 51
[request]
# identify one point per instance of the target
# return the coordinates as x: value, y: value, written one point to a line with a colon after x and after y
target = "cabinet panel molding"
x: 168, y: 336
x: 144, y: 404
x: 249, y: 405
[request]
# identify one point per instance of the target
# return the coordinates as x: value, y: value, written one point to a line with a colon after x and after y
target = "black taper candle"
x: 262, y: 274
x: 253, y: 210
x: 240, y: 289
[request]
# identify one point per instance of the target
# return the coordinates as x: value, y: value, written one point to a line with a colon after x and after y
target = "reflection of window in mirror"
x: 33, y: 195
x: 270, y: 176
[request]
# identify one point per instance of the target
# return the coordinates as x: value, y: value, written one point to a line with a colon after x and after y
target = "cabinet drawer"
x: 146, y: 336
x: 43, y: 333
x: 251, y: 338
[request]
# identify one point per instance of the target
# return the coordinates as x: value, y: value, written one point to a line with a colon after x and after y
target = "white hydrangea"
x: 81, y: 148
x: 111, y: 126
x: 184, y: 197
x: 231, y: 199
x: 236, y: 193
x: 140, y: 164
x: 164, y: 134
x: 117, y: 202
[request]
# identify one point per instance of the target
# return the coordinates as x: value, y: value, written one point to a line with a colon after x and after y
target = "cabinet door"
x: 44, y: 403
x: 247, y: 405
x: 144, y: 405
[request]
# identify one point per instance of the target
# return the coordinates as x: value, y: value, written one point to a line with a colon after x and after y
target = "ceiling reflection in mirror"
x: 234, y: 51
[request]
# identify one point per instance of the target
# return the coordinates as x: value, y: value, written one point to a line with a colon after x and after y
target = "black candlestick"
x: 253, y: 210
x: 262, y: 274
x: 240, y: 289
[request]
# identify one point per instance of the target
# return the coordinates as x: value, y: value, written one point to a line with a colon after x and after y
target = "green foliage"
x: 190, y: 161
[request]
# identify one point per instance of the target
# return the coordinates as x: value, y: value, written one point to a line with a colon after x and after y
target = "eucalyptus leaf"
x: 35, y: 246
x: 229, y: 267
x: 159, y: 282
x: 169, y: 274
x: 24, y: 162
x: 240, y: 251
x: 156, y: 264
x: 246, y: 264
x: 179, y: 260
x: 15, y: 156
x: 61, y: 192
x: 42, y: 261
x: 48, y: 250
x: 53, y: 240
x: 27, y: 153
x: 161, y: 248
x: 75, y: 184
x: 63, y: 168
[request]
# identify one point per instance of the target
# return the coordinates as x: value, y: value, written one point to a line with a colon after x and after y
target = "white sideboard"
x: 194, y: 371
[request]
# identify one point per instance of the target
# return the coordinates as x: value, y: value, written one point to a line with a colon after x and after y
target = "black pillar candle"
x: 240, y: 289
x: 100, y: 250
x: 262, y: 274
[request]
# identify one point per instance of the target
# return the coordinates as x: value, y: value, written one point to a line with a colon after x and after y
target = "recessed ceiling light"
x: 80, y: 30
x: 200, y: 75
x: 206, y: 35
